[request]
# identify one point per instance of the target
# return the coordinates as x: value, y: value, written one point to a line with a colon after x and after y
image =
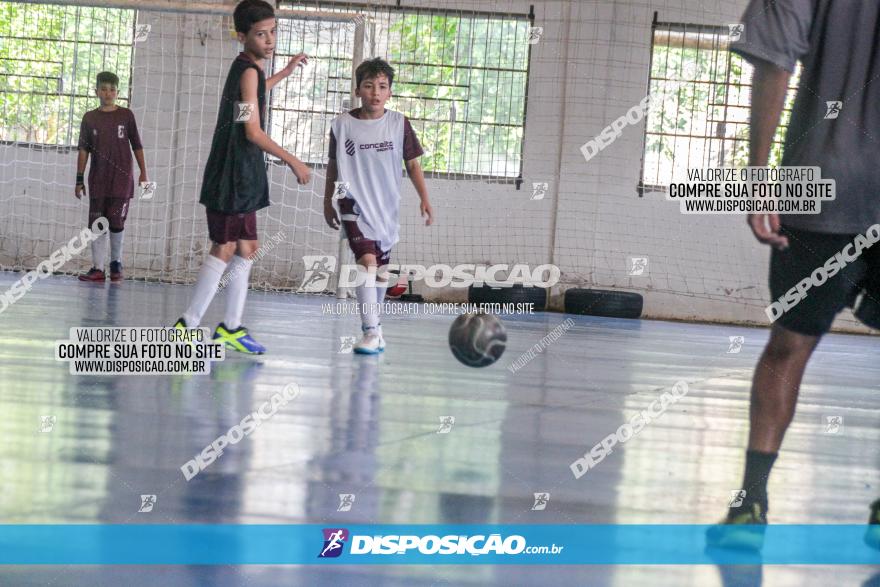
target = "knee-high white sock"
x: 381, y: 288
x: 99, y: 251
x: 236, y: 290
x: 205, y: 288
x: 366, y: 297
x: 116, y: 246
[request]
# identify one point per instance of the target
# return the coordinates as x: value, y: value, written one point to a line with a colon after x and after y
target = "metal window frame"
x: 71, y: 124
x: 677, y: 27
x: 517, y: 179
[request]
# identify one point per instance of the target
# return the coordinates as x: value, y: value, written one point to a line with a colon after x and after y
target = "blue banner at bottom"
x: 438, y: 544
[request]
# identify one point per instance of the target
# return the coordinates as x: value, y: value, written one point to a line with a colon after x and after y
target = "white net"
x: 502, y: 100
x: 172, y: 66
x: 461, y: 79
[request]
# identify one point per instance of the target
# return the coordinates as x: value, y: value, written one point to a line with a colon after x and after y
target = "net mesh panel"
x: 501, y: 103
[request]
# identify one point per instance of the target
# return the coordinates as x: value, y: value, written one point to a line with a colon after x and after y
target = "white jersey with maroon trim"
x: 369, y: 159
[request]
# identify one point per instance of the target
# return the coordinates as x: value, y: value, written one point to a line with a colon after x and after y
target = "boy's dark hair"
x: 372, y: 68
x: 107, y: 77
x: 249, y: 12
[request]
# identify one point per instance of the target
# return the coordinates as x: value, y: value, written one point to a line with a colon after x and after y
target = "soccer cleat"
x: 743, y: 531
x: 872, y: 534
x: 115, y: 271
x: 93, y: 275
x: 181, y: 325
x: 372, y: 342
x: 238, y: 340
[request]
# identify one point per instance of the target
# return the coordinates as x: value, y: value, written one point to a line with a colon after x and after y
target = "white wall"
x: 589, y: 68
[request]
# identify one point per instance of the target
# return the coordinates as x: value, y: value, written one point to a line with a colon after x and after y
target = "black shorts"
x: 812, y: 314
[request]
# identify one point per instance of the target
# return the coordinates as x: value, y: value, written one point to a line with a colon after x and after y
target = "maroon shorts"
x: 226, y: 228
x: 360, y: 245
x: 115, y: 210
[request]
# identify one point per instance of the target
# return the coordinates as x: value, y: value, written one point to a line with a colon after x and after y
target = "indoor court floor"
x: 369, y: 426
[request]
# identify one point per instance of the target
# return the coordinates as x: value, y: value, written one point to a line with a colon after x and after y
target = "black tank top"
x: 235, y: 180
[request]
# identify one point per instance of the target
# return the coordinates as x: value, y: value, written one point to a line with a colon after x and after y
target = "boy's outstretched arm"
x: 769, y: 88
x: 81, y: 160
x: 301, y: 58
x: 255, y: 134
x: 417, y: 177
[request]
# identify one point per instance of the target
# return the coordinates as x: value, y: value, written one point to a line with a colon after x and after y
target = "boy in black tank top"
x: 235, y: 184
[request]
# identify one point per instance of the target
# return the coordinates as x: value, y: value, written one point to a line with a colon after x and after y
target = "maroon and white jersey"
x: 369, y: 156
x: 109, y: 138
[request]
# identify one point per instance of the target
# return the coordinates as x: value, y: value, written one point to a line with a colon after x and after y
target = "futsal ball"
x: 399, y: 287
x: 397, y: 290
x: 477, y: 340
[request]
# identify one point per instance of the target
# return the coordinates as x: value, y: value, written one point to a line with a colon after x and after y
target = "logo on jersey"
x: 334, y: 540
x: 349, y: 147
x: 383, y: 146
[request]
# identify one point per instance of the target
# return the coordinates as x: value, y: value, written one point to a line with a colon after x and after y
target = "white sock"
x: 238, y: 276
x: 206, y: 287
x: 99, y: 252
x: 381, y: 288
x: 116, y: 246
x: 366, y: 297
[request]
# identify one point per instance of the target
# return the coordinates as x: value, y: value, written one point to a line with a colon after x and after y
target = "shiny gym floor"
x: 368, y: 426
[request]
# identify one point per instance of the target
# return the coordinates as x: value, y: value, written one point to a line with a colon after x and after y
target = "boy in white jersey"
x: 368, y: 146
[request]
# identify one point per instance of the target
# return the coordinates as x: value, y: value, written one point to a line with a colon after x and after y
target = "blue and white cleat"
x: 238, y: 340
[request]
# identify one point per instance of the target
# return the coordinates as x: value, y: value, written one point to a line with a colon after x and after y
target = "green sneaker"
x: 238, y: 340
x: 741, y: 531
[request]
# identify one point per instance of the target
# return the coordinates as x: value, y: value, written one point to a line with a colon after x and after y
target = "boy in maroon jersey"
x: 109, y: 134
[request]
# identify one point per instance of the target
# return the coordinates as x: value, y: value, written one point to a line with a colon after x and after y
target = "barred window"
x: 49, y: 57
x: 460, y: 77
x: 702, y: 119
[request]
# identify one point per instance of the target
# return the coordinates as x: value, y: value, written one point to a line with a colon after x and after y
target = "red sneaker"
x: 93, y: 275
x: 115, y: 271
